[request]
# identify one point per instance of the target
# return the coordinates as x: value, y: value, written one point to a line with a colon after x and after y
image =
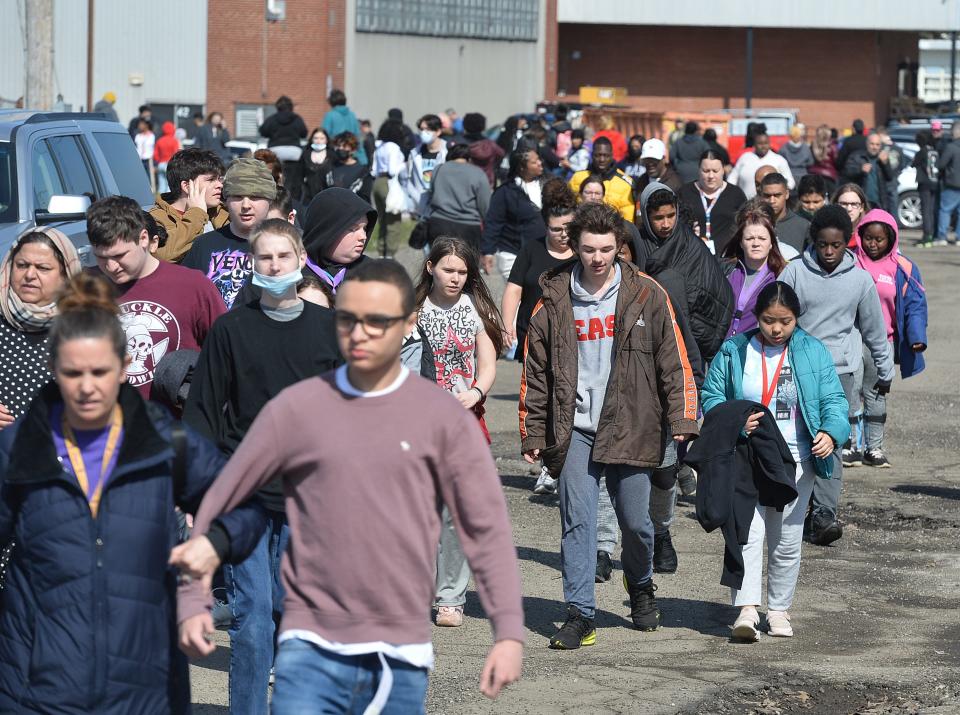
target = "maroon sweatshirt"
x: 363, y: 478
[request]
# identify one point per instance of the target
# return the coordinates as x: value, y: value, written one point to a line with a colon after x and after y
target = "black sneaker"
x: 664, y: 555
x: 824, y: 532
x: 851, y: 458
x: 688, y: 481
x: 577, y: 631
x: 604, y: 567
x: 643, y: 606
x: 876, y: 458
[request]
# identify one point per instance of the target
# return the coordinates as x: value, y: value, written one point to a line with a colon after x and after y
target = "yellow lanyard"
x: 76, y: 457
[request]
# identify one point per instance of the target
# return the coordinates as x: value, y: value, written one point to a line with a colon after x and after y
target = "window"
x: 121, y: 155
x: 516, y: 20
x: 8, y: 184
x: 46, y: 179
x: 74, y: 167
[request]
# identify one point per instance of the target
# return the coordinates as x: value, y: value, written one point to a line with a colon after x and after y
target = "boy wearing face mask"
x: 424, y: 161
x: 253, y: 353
x: 347, y: 172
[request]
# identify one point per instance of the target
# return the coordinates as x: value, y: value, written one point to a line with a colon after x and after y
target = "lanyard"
x: 76, y: 457
x: 708, y: 207
x: 767, y: 394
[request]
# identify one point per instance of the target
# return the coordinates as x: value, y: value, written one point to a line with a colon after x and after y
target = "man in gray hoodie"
x: 837, y: 298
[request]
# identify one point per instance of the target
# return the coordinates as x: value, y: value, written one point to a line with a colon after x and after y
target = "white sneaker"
x: 778, y: 624
x: 545, y: 483
x: 745, y: 627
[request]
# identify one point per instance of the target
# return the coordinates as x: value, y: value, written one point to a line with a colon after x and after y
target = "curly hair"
x: 598, y: 219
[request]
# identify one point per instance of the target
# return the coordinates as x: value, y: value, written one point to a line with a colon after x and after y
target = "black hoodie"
x: 284, y: 129
x: 327, y: 219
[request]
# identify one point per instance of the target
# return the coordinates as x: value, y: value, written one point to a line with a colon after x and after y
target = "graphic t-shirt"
x: 171, y: 309
x: 785, y: 403
x: 428, y: 162
x: 224, y: 258
x: 452, y: 333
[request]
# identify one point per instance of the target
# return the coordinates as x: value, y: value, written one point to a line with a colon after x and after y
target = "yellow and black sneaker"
x: 643, y: 606
x: 577, y: 631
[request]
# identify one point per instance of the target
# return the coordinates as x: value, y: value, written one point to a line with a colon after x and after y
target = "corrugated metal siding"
x: 166, y: 44
x: 932, y: 15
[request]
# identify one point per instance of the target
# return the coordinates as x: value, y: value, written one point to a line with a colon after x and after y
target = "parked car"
x: 908, y: 204
x: 54, y: 165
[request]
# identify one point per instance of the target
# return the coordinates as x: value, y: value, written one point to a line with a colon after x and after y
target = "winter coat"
x: 925, y: 162
x: 723, y: 216
x: 735, y: 473
x: 744, y: 304
x: 949, y: 165
x: 617, y: 189
x: 328, y: 218
x: 821, y: 397
x: 217, y: 143
x: 685, y: 263
x: 827, y: 166
x: 184, y: 228
x: 284, y: 129
x: 511, y: 221
x: 105, y: 107
x: 88, y: 621
x: 853, y: 171
x: 685, y: 156
x: 650, y: 380
x: 485, y: 154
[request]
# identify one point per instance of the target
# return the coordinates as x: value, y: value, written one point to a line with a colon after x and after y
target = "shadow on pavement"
x: 928, y: 491
x: 706, y: 617
x: 219, y: 660
x: 546, y: 558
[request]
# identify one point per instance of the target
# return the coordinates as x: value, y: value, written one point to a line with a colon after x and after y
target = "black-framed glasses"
x: 850, y: 204
x: 373, y: 325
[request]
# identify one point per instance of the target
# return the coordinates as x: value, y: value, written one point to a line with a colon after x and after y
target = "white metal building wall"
x: 166, y: 44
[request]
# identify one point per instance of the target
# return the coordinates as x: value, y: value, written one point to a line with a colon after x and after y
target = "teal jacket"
x: 822, y: 402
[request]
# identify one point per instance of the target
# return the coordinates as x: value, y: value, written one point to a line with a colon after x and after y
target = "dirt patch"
x: 891, y: 519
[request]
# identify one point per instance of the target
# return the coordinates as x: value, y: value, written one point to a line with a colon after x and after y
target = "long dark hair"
x: 778, y: 293
x: 474, y: 286
x: 759, y: 215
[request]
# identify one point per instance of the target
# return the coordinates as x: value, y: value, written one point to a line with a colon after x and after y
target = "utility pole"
x: 39, y: 40
x: 748, y: 94
x: 91, y: 15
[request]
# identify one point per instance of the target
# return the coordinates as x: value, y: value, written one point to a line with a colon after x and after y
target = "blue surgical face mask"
x: 277, y: 286
x: 427, y: 136
x: 318, y: 147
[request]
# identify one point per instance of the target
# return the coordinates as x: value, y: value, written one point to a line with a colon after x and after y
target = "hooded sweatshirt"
x: 328, y: 218
x: 594, y: 317
x: 834, y: 305
x: 884, y: 270
x: 167, y: 145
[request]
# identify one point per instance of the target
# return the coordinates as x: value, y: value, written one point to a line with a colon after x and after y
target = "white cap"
x: 653, y: 149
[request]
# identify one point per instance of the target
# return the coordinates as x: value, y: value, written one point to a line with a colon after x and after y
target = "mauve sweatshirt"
x: 363, y: 480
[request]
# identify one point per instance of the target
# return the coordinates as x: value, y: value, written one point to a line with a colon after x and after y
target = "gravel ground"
x: 877, y: 627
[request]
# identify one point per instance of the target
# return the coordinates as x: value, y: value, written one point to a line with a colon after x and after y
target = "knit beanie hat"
x: 249, y: 177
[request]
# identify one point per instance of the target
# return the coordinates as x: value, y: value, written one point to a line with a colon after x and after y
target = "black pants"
x: 928, y: 209
x: 441, y: 227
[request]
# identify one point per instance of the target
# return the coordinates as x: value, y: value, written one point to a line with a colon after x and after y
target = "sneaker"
x: 824, y: 533
x: 221, y: 613
x: 664, y: 555
x: 449, y: 616
x: 643, y: 606
x: 545, y: 483
x: 577, y: 631
x: 939, y: 242
x: 688, y: 481
x: 876, y: 458
x: 852, y: 458
x: 745, y: 627
x: 778, y: 624
x: 604, y: 567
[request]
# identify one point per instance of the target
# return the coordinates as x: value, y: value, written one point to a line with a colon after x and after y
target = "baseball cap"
x: 653, y: 149
x: 936, y: 124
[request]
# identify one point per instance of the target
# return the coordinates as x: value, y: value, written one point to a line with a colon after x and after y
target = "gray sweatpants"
x: 629, y: 489
x: 453, y: 573
x: 826, y: 492
x: 874, y: 404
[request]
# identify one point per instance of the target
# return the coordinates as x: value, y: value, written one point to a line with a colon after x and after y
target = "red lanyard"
x: 767, y: 394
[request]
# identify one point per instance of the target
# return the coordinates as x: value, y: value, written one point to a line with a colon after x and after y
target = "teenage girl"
x: 465, y: 332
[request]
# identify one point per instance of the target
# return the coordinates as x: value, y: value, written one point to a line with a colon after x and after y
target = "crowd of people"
x: 239, y: 400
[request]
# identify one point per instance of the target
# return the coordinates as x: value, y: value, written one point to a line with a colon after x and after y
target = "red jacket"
x: 167, y: 145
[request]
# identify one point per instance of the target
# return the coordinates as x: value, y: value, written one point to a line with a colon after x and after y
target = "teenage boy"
x: 192, y: 206
x: 224, y: 254
x: 606, y: 386
x: 811, y: 194
x: 792, y: 229
x: 424, y: 161
x: 253, y: 352
x: 356, y: 496
x: 163, y: 307
x: 839, y: 299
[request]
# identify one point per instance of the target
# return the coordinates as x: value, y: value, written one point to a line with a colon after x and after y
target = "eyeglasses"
x: 373, y: 325
x: 850, y: 204
x: 558, y: 229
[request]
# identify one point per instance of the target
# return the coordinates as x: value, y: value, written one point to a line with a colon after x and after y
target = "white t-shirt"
x: 452, y: 333
x: 785, y: 403
x: 145, y: 142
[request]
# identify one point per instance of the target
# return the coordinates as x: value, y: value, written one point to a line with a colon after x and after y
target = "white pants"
x: 505, y: 261
x: 784, y: 532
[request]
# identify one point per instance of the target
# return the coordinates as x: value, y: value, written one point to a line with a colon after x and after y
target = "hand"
x: 503, y: 666
x: 487, y: 264
x: 866, y: 168
x: 6, y: 419
x: 469, y: 398
x: 823, y: 445
x: 753, y: 421
x: 195, y: 197
x: 508, y: 337
x: 882, y: 387
x: 884, y: 155
x: 196, y: 558
x: 683, y: 437
x: 195, y: 635
x: 918, y: 347
x: 532, y: 456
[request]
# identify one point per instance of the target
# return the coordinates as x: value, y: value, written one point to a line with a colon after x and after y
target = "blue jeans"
x: 312, y: 680
x: 949, y: 203
x: 256, y: 599
x: 629, y: 489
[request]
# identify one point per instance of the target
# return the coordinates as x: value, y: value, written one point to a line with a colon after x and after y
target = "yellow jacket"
x: 617, y: 191
x: 183, y: 229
